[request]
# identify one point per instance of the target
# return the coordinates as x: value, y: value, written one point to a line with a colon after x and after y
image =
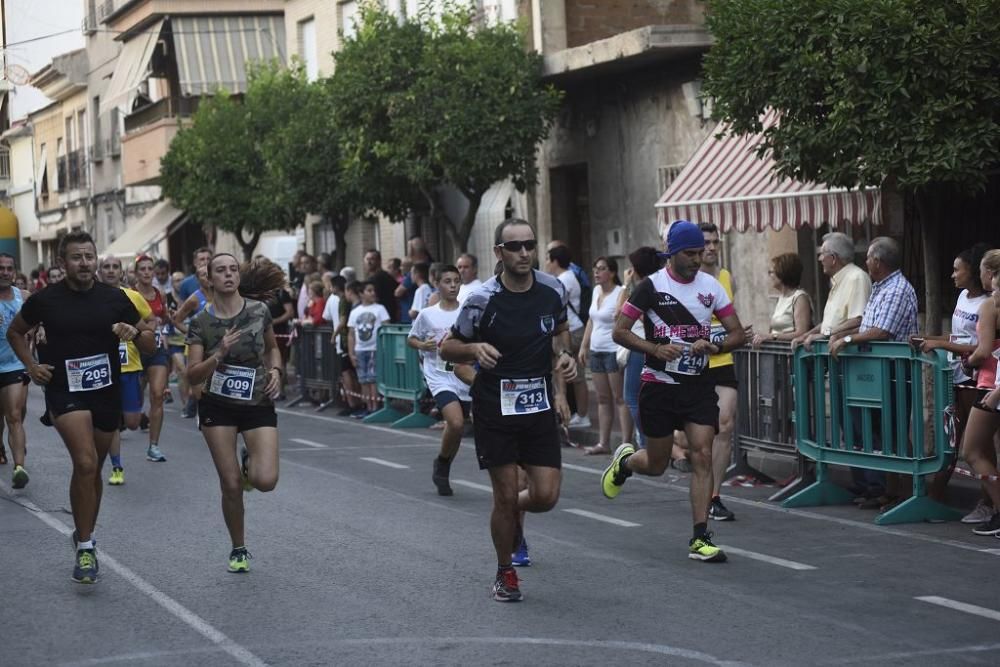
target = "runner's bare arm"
x: 565, y: 364
x: 735, y: 337
x: 622, y: 335
x: 40, y: 373
x: 146, y: 340
x: 200, y: 368
x: 272, y: 362
x: 187, y: 309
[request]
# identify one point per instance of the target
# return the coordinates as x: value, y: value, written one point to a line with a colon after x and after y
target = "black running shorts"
x: 722, y: 376
x: 104, y: 406
x: 665, y: 408
x: 14, y: 377
x: 529, y: 440
x: 243, y: 417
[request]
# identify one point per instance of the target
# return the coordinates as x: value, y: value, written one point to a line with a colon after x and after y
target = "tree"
x: 441, y: 103
x: 218, y: 169
x: 896, y: 93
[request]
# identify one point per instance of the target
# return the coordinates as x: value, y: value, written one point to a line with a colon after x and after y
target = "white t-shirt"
x: 432, y: 323
x: 466, y: 290
x: 963, y: 329
x: 420, y: 297
x: 573, y: 293
x: 331, y: 314
x: 603, y: 319
x: 366, y: 321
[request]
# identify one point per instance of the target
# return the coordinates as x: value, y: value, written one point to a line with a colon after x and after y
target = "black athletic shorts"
x: 528, y: 440
x: 243, y: 417
x: 105, y: 407
x: 13, y: 377
x: 724, y: 376
x: 665, y: 408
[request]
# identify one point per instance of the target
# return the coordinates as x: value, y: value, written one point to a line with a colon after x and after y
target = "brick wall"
x: 590, y: 20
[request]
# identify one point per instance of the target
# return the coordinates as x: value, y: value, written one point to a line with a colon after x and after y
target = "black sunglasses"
x: 515, y: 246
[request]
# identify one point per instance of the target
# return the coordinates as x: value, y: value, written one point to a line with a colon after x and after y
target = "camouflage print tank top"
x: 241, y: 377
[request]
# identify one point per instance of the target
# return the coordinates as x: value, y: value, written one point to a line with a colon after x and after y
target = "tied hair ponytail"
x: 260, y: 279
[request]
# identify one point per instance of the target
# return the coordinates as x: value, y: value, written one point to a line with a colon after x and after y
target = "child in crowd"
x: 363, y: 325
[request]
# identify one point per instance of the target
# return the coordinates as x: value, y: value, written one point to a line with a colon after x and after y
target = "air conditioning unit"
x: 89, y: 24
x: 105, y: 9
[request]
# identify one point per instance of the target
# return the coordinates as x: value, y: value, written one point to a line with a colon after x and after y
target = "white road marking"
x: 191, y: 619
x: 807, y: 514
x: 394, y: 431
x: 473, y: 485
x: 299, y: 449
x: 600, y: 517
x: 570, y: 466
x: 985, y: 612
x: 309, y: 443
x: 383, y: 462
x: 764, y: 558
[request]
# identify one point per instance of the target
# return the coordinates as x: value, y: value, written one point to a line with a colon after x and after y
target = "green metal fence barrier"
x: 865, y: 409
x: 399, y: 377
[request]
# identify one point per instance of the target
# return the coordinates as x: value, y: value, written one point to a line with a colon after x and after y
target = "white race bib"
x: 234, y: 382
x: 717, y: 335
x: 123, y: 354
x: 523, y: 397
x: 687, y: 363
x: 88, y: 373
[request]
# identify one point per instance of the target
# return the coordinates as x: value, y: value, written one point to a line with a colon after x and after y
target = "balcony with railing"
x: 71, y: 170
x: 148, y: 133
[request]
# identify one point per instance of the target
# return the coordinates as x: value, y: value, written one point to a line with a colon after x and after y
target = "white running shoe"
x: 981, y: 514
x: 576, y: 421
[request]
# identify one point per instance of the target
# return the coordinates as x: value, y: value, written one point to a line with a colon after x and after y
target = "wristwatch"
x: 848, y: 340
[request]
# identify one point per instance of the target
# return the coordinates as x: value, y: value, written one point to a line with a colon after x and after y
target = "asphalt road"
x: 357, y: 561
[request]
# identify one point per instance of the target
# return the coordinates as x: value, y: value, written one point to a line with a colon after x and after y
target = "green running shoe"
x: 117, y: 476
x: 701, y: 548
x: 615, y: 475
x: 239, y: 560
x: 85, y: 570
x: 20, y: 479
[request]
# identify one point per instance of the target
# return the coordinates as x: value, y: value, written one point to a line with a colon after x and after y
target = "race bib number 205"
x: 88, y: 373
x: 523, y: 397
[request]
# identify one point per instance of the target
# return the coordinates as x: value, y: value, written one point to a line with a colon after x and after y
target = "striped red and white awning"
x: 726, y: 183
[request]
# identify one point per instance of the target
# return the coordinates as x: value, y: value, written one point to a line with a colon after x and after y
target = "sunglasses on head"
x: 515, y: 246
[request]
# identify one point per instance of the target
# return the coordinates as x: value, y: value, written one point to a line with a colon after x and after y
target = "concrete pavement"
x: 357, y: 561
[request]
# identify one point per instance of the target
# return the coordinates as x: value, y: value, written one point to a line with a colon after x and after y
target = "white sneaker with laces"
x: 576, y: 421
x: 980, y: 514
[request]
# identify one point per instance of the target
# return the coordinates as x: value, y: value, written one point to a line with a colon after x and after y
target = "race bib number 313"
x: 523, y: 397
x: 234, y: 382
x: 88, y: 373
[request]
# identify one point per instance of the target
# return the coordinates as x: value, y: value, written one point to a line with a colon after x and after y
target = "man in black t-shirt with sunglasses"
x: 514, y: 327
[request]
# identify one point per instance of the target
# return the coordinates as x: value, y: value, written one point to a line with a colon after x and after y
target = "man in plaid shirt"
x: 891, y: 311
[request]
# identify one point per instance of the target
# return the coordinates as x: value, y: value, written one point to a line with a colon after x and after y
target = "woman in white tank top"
x: 792, y: 314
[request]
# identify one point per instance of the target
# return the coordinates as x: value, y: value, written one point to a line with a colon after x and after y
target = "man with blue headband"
x: 676, y: 306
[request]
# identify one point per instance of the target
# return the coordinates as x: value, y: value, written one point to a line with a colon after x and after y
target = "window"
x: 348, y: 18
x: 307, y: 47
x: 499, y: 11
x: 98, y: 143
x: 116, y: 132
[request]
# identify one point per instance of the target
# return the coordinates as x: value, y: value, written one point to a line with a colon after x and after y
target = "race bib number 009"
x: 523, y: 397
x: 234, y: 382
x: 88, y: 373
x: 687, y: 363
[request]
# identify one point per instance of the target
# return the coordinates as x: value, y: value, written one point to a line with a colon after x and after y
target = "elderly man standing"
x: 850, y: 288
x: 890, y: 314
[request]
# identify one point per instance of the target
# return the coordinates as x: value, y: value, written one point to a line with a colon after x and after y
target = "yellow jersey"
x: 719, y: 331
x: 127, y: 351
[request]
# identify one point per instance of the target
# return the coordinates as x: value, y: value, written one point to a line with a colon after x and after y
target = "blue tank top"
x: 8, y: 311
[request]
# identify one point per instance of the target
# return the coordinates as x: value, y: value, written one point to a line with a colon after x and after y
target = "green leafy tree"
x: 903, y: 94
x: 220, y: 169
x: 440, y: 104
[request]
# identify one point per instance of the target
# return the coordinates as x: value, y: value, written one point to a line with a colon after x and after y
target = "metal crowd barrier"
x: 317, y: 364
x: 399, y: 376
x: 866, y: 409
x: 766, y: 406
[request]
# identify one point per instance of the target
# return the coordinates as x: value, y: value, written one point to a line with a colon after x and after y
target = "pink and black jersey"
x: 677, y: 312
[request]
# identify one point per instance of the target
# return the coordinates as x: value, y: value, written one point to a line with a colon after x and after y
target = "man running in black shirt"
x: 512, y: 325
x: 79, y: 367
